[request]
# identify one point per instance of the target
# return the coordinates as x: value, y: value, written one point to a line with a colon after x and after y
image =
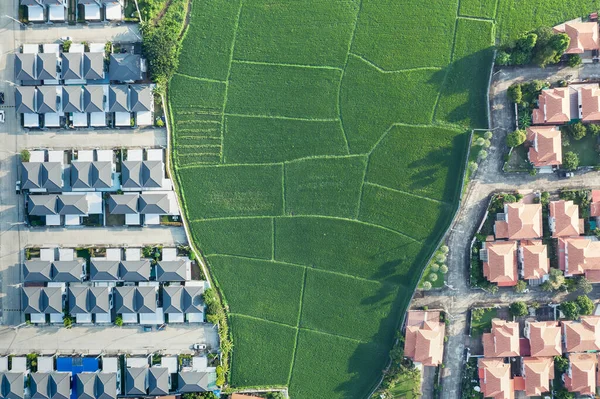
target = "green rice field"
x: 319, y: 149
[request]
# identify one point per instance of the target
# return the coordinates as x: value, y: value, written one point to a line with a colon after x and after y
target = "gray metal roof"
x: 117, y: 99
x: 30, y: 3
x: 11, y: 385
x: 124, y: 299
x: 84, y: 385
x: 75, y: 204
x: 93, y: 66
x: 135, y: 380
x: 88, y: 300
x: 193, y: 302
x: 78, y: 300
x: 41, y: 205
x: 104, y: 270
x: 93, y: 99
x: 134, y: 270
x: 32, y: 300
x: 48, y: 175
x: 196, y: 381
x: 141, y: 98
x: 87, y: 2
x: 174, y: 270
x: 157, y: 204
x: 72, y: 98
x: 145, y: 300
x: 46, y: 66
x: 24, y: 66
x: 97, y: 174
x: 98, y: 300
x: 67, y: 271
x: 47, y: 99
x: 25, y: 99
x: 38, y: 384
x: 142, y: 174
x: 71, y: 66
x: 123, y: 204
x: 52, y: 300
x: 172, y: 299
x: 106, y: 386
x: 52, y: 2
x: 37, y: 271
x: 60, y: 385
x: 125, y: 67
x: 158, y: 381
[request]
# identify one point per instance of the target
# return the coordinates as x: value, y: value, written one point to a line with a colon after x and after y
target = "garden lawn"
x: 251, y: 363
x: 478, y: 327
x: 478, y: 8
x: 585, y: 150
x: 274, y: 293
x: 308, y: 32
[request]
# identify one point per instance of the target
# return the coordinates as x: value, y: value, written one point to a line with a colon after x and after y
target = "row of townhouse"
x: 65, y: 377
x: 516, y: 250
x: 56, y: 10
x: 535, y: 352
x: 121, y: 284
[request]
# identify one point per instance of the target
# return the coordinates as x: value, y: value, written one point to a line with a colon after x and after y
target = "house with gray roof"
x: 39, y: 385
x: 193, y: 302
x: 25, y: 69
x: 183, y: 300
x: 172, y: 299
x: 104, y: 270
x: 129, y: 299
x: 134, y: 270
x: 196, y: 381
x: 93, y: 66
x: 123, y: 204
x: 84, y: 300
x: 141, y: 98
x: 53, y: 385
x: 118, y: 96
x: 93, y: 99
x: 72, y: 97
x: 72, y: 204
x: 135, y: 381
x: 57, y: 9
x: 124, y: 299
x: 174, y: 270
x: 47, y: 100
x: 35, y: 10
x: 96, y: 175
x: 42, y: 176
x: 84, y: 385
x: 106, y: 386
x: 25, y: 102
x: 125, y: 67
x: 72, y: 66
x: 145, y: 300
x: 77, y: 298
x: 39, y: 300
x: 42, y: 205
x: 154, y: 204
x: 37, y: 271
x: 46, y: 66
x: 142, y: 175
x: 12, y: 385
x: 32, y: 300
x: 68, y: 271
x: 158, y: 381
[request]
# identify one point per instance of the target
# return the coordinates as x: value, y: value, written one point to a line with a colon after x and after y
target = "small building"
x: 47, y: 68
x: 93, y: 176
x: 503, y: 340
x: 41, y: 301
x: 57, y: 10
x: 125, y: 68
x: 583, y: 35
x: 67, y: 208
x: 196, y: 381
x: 564, y: 219
x: 135, y: 381
x: 42, y: 176
x: 53, y: 385
x: 581, y: 374
x: 589, y: 102
x: 519, y: 221
x: 545, y: 338
x: 595, y: 204
x: 91, y: 9
x: 545, y: 150
x: 500, y: 262
x: 85, y: 302
x: 424, y: 338
x: 582, y: 335
x: 578, y: 255
x: 494, y: 379
x: 61, y: 271
x: 533, y: 256
x: 25, y: 68
x: 142, y: 175
x: 183, y: 303
x: 113, y: 10
x: 158, y: 381
x: 554, y: 106
x: 537, y: 373
x: 35, y: 10
x: 12, y: 385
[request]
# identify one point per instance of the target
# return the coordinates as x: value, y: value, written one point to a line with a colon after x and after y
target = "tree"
x: 275, y: 395
x: 585, y: 304
x: 563, y: 393
x: 502, y: 58
x: 477, y: 313
x: 444, y: 269
x: 482, y: 154
x: 516, y: 138
x: 545, y: 198
x: 577, y: 130
x: 480, y: 141
x: 488, y: 135
x: 161, y: 48
x: 444, y: 249
x: 440, y: 258
x: 433, y: 277
x: 515, y: 93
x: 593, y: 129
x: 584, y: 285
x: 570, y: 310
x: 570, y: 161
x: 427, y: 285
x: 25, y: 155
x: 555, y: 280
x: 435, y: 267
x: 220, y: 376
x: 561, y: 364
x: 518, y: 309
x: 473, y: 166
x: 574, y: 60
x: 521, y: 286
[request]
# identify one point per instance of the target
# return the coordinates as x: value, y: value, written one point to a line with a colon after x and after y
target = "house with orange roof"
x: 583, y: 35
x: 499, y: 260
x: 503, y: 340
x: 242, y: 396
x: 581, y: 374
x: 582, y: 335
x: 519, y: 221
x: 424, y: 338
x: 564, y: 219
x: 595, y: 204
x: 494, y: 379
x: 554, y: 106
x: 533, y: 256
x: 545, y: 338
x: 579, y: 255
x: 537, y: 373
x: 588, y: 102
x: 545, y: 146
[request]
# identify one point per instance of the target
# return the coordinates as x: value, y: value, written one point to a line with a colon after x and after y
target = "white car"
x: 199, y: 347
x: 1, y: 116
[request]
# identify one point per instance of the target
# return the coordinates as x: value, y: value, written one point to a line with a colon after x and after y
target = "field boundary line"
x: 273, y: 239
x: 334, y: 335
x: 231, y: 49
x: 381, y: 70
x: 202, y: 79
x: 407, y: 193
x: 291, y: 118
x: 298, y: 324
x: 283, y: 186
x: 362, y: 187
x: 470, y: 17
x: 282, y: 64
x: 242, y: 315
x: 221, y: 165
x: 317, y: 157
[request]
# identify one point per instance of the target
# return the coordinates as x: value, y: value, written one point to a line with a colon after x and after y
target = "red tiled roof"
x: 538, y: 372
x: 581, y: 376
x: 583, y: 35
x: 494, y: 379
x: 589, y: 98
x: 501, y: 266
x: 535, y: 259
x: 545, y: 338
x: 554, y: 106
x: 424, y: 342
x: 582, y: 335
x: 579, y: 256
x: 524, y: 221
x: 546, y: 145
x: 564, y: 217
x: 503, y: 340
x: 595, y: 205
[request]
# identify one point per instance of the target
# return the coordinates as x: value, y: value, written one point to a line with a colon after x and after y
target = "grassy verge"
x: 479, y: 325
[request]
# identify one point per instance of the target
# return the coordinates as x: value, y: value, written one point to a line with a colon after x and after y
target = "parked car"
x: 199, y: 347
x: 564, y: 174
x: 18, y: 187
x: 147, y: 328
x: 66, y: 38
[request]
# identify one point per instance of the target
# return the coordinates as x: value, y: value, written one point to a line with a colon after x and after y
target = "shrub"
x: 220, y: 376
x: 570, y: 161
x: 118, y: 321
x: 482, y: 155
x: 480, y: 141
x: 66, y: 45
x: 435, y: 267
x: 25, y: 155
x: 433, y: 277
x: 444, y: 269
x: 488, y: 135
x: 585, y: 304
x: 518, y: 309
x: 593, y: 129
x: 584, y: 285
x: 545, y: 198
x: 521, y: 286
x: 574, y: 60
x: 570, y: 309
x: 427, y: 285
x: 533, y: 171
x: 487, y: 144
x: 502, y: 58
x: 444, y: 249
x: 561, y: 364
x: 477, y: 313
x: 515, y: 93
x: 160, y: 123
x: 473, y: 166
x: 440, y: 258
x: 577, y: 130
x: 516, y: 138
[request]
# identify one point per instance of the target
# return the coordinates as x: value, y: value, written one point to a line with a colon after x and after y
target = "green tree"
x: 473, y: 166
x: 574, y: 60
x: 444, y: 249
x: 518, y: 309
x: 561, y: 364
x: 515, y: 93
x: 118, y: 321
x: 503, y: 58
x: 433, y: 277
x: 593, y: 129
x: 25, y: 155
x: 556, y: 279
x: 563, y: 393
x: 444, y: 269
x: 220, y: 376
x: 584, y: 285
x: 488, y: 135
x: 577, y: 131
x: 275, y: 395
x: 585, y: 304
x: 427, y: 286
x: 161, y: 48
x: 516, y: 138
x: 545, y: 198
x: 477, y: 313
x: 482, y: 154
x: 570, y: 161
x: 570, y: 309
x: 521, y: 286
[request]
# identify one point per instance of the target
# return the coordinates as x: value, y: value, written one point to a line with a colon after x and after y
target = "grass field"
x: 319, y: 148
